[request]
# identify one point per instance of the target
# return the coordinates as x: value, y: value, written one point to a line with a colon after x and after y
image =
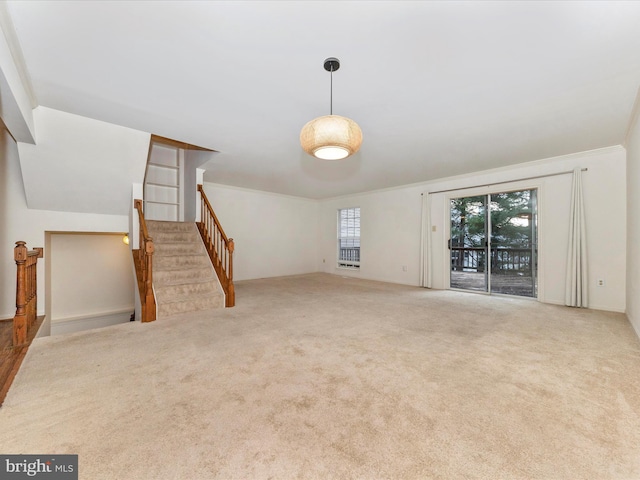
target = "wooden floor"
x: 11, y: 357
x: 6, y: 331
x: 502, y: 284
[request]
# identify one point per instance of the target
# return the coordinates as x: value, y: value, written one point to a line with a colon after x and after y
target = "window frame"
x: 349, y: 264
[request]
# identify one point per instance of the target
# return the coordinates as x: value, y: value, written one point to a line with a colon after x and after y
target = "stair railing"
x: 26, y: 291
x: 219, y: 247
x: 143, y: 260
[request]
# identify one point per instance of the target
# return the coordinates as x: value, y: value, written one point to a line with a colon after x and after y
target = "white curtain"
x: 576, y: 292
x: 425, y: 242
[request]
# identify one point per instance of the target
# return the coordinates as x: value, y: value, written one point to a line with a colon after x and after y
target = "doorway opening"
x: 494, y: 243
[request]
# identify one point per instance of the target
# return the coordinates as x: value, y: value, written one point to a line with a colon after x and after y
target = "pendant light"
x: 331, y: 137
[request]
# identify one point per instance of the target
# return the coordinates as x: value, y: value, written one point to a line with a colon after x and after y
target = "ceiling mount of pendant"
x: 331, y: 64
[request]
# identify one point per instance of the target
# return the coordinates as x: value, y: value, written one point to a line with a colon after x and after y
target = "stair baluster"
x: 219, y: 247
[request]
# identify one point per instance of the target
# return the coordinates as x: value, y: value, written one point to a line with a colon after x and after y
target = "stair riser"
x: 176, y: 237
x: 169, y: 292
x: 168, y: 249
x: 189, y: 306
x: 161, y: 278
x: 172, y: 262
x: 170, y: 227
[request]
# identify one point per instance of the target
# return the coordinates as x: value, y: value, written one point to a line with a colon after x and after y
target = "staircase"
x: 183, y: 278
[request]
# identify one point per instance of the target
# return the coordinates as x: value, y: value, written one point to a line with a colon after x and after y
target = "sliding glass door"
x: 468, y: 243
x: 493, y: 243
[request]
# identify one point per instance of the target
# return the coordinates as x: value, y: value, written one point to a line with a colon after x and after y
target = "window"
x: 349, y: 237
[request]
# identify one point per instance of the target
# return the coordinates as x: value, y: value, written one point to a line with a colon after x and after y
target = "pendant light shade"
x: 331, y: 137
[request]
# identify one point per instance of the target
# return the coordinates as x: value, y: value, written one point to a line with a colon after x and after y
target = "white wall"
x: 91, y: 276
x: 390, y: 225
x: 82, y: 165
x: 274, y: 234
x: 389, y: 235
x: 193, y: 160
x: 633, y: 221
x: 16, y: 104
x: 17, y: 222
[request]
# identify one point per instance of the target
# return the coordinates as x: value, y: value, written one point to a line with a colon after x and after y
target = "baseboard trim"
x: 78, y: 324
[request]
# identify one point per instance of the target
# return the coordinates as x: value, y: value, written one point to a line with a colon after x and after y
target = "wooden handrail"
x: 26, y: 291
x: 143, y: 260
x: 219, y: 247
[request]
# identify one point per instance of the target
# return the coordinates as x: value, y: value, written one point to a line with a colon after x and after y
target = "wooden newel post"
x: 231, y: 297
x: 143, y: 259
x: 20, y: 320
x: 150, y: 311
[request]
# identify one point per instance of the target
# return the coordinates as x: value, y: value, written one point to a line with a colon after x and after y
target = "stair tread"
x: 189, y: 281
x: 190, y: 254
x: 191, y: 239
x: 190, y: 242
x: 189, y: 268
x: 178, y: 244
x: 173, y: 254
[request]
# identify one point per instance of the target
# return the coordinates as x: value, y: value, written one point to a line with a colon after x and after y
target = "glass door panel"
x: 468, y: 243
x: 513, y: 243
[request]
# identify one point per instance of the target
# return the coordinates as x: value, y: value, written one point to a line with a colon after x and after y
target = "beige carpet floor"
x: 322, y: 377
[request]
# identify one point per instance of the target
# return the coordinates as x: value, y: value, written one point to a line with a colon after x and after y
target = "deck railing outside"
x: 349, y: 254
x: 504, y: 260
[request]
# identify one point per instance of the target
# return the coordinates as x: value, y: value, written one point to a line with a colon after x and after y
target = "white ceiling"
x: 438, y: 88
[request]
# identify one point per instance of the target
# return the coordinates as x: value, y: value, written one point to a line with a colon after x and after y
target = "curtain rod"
x: 505, y: 181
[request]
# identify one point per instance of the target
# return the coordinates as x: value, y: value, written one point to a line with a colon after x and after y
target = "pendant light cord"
x: 331, y: 95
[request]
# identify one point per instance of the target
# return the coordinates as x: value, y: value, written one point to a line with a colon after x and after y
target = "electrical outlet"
x: 404, y: 268
x: 600, y: 282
